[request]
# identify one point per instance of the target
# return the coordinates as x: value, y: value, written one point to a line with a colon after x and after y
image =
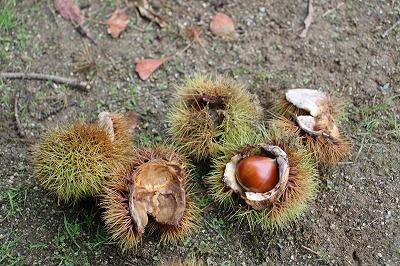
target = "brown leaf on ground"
x: 145, y: 67
x: 147, y: 11
x: 193, y: 33
x: 308, y: 19
x: 69, y: 11
x: 117, y: 23
x: 222, y: 25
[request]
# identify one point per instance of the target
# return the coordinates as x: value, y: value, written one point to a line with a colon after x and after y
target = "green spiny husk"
x: 201, y: 126
x: 73, y: 162
x: 300, y: 191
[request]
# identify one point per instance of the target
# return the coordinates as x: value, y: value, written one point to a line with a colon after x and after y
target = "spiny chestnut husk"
x: 209, y: 111
x: 74, y: 161
x: 151, y: 193
x: 313, y: 116
x: 294, y: 190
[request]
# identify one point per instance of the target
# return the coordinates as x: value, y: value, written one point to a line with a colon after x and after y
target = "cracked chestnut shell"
x: 257, y: 173
x: 312, y: 115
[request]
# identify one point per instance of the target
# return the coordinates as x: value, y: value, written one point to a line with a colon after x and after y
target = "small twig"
x: 184, y: 49
x: 343, y: 163
x: 372, y: 222
x: 386, y: 33
x: 360, y: 149
x: 72, y: 82
x: 309, y: 249
x: 308, y: 19
x: 169, y: 57
x: 16, y: 116
x: 52, y: 12
x: 333, y: 9
x: 137, y: 16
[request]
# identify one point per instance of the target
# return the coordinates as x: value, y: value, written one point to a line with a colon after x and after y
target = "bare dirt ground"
x: 355, y: 218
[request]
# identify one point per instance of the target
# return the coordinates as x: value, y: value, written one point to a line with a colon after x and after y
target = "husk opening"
x: 259, y: 200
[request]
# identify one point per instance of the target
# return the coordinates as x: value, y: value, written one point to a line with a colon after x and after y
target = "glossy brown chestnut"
x: 258, y: 173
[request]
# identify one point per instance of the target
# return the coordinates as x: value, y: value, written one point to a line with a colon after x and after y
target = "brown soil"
x: 355, y: 218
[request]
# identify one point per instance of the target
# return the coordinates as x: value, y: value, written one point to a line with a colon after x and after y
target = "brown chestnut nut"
x: 257, y: 173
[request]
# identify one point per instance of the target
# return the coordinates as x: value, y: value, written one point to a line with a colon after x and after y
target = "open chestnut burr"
x: 150, y: 194
x: 267, y: 179
x: 313, y: 116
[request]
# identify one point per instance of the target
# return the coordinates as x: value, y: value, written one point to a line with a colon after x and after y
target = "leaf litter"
x: 147, y: 11
x: 117, y: 23
x: 69, y: 11
x: 222, y: 25
x: 146, y: 66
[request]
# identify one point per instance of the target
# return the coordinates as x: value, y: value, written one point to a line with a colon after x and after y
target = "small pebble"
x: 384, y: 88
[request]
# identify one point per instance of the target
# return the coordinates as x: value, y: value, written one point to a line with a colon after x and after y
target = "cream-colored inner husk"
x: 321, y: 120
x: 105, y: 121
x: 158, y: 190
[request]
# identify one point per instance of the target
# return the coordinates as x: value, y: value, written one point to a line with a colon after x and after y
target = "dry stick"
x: 308, y: 19
x: 309, y: 249
x: 360, y: 149
x: 386, y: 33
x: 169, y: 57
x: 17, y: 121
x: 184, y: 49
x: 343, y: 163
x: 52, y: 12
x: 333, y: 9
x: 71, y: 82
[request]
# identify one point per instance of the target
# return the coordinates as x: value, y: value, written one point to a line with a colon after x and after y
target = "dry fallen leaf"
x: 145, y: 67
x: 222, y: 25
x: 69, y: 11
x: 117, y: 22
x: 146, y: 11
